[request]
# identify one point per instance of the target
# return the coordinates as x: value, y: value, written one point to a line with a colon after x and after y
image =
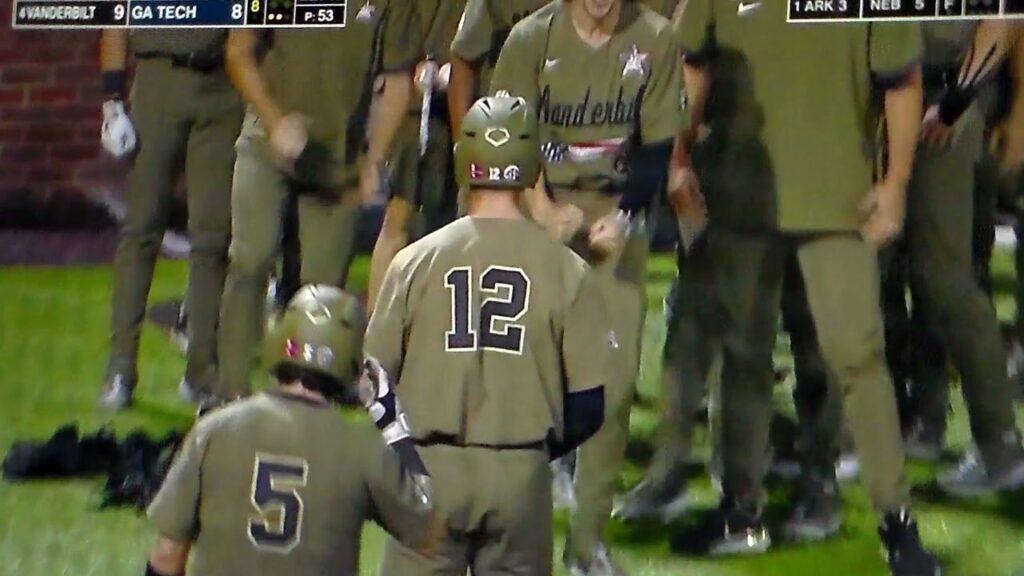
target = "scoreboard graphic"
x: 57, y: 14
x: 915, y: 10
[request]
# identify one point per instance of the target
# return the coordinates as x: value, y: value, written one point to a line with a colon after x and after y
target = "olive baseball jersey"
x: 482, y: 31
x: 485, y: 325
x: 279, y: 485
x: 791, y: 113
x: 666, y: 8
x: 328, y: 74
x: 594, y: 103
x: 177, y: 41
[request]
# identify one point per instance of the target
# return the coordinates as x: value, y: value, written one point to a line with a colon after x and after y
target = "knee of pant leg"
x: 949, y: 292
x: 249, y: 261
x: 209, y: 243
x: 850, y: 352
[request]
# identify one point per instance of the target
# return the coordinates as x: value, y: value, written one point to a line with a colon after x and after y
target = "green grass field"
x: 53, y: 345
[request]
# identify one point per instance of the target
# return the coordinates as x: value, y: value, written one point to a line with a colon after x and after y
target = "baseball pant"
x: 188, y: 120
x: 940, y: 235
x: 497, y: 507
x: 622, y: 280
x: 327, y: 230
x: 840, y: 273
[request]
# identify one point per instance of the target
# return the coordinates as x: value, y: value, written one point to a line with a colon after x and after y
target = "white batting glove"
x: 443, y: 76
x: 118, y: 134
x: 426, y: 77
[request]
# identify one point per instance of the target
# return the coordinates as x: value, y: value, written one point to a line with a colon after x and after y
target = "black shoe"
x: 742, y: 533
x: 904, y: 552
x: 816, y: 513
x: 660, y: 497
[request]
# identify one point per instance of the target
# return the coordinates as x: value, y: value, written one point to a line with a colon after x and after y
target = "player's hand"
x: 687, y: 201
x: 117, y: 134
x: 289, y: 137
x: 444, y: 76
x: 608, y: 234
x: 883, y: 211
x: 427, y: 73
x: 379, y: 398
x: 937, y: 133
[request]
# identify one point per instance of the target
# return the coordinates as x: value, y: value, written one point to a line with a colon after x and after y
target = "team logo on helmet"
x: 511, y: 172
x: 476, y: 172
x: 497, y: 137
x: 324, y: 357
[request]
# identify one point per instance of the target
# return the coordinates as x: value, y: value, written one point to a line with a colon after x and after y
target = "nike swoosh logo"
x: 743, y: 9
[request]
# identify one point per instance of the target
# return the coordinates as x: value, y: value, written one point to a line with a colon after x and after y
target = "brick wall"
x: 51, y: 162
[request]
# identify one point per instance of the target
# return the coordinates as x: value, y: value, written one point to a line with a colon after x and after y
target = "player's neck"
x: 594, y: 31
x: 503, y: 204
x: 299, y: 391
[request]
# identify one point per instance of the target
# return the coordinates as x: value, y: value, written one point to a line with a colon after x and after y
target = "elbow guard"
x: 648, y: 170
x: 584, y: 415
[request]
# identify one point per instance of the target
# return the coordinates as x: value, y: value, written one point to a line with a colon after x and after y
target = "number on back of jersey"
x: 505, y: 299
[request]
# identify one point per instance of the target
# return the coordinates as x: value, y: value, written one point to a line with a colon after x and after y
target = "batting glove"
x: 118, y: 134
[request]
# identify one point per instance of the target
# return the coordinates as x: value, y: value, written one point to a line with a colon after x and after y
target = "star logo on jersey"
x: 634, y: 62
x: 613, y: 340
x: 366, y: 13
x: 497, y: 137
x: 550, y: 63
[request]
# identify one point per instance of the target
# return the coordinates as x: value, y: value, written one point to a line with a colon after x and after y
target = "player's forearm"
x: 1016, y: 58
x: 390, y: 113
x: 168, y: 557
x: 244, y: 72
x: 902, y: 122
x: 461, y: 87
x: 113, y: 61
x: 697, y: 80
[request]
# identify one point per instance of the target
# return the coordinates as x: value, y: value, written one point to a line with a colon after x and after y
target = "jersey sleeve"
x: 393, y: 500
x: 587, y: 338
x: 442, y: 30
x: 516, y: 70
x: 476, y: 29
x: 400, y: 26
x: 661, y: 111
x: 385, y: 332
x: 175, y: 509
x: 694, y: 26
x: 894, y: 48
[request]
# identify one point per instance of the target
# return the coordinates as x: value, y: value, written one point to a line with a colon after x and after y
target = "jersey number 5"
x: 275, y: 496
x: 507, y: 300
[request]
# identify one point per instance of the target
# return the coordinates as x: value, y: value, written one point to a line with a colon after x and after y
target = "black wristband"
x: 954, y: 103
x: 114, y: 83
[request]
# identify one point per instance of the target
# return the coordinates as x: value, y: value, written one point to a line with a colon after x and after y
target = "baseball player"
x: 420, y: 168
x: 499, y: 343
x: 792, y: 106
x: 940, y: 243
x: 184, y: 114
x: 306, y: 134
x: 282, y: 482
x: 604, y: 78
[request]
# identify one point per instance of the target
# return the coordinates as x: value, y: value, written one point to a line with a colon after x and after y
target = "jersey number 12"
x: 276, y: 481
x: 507, y: 300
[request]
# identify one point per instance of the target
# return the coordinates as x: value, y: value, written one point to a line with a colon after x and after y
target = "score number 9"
x: 118, y: 12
